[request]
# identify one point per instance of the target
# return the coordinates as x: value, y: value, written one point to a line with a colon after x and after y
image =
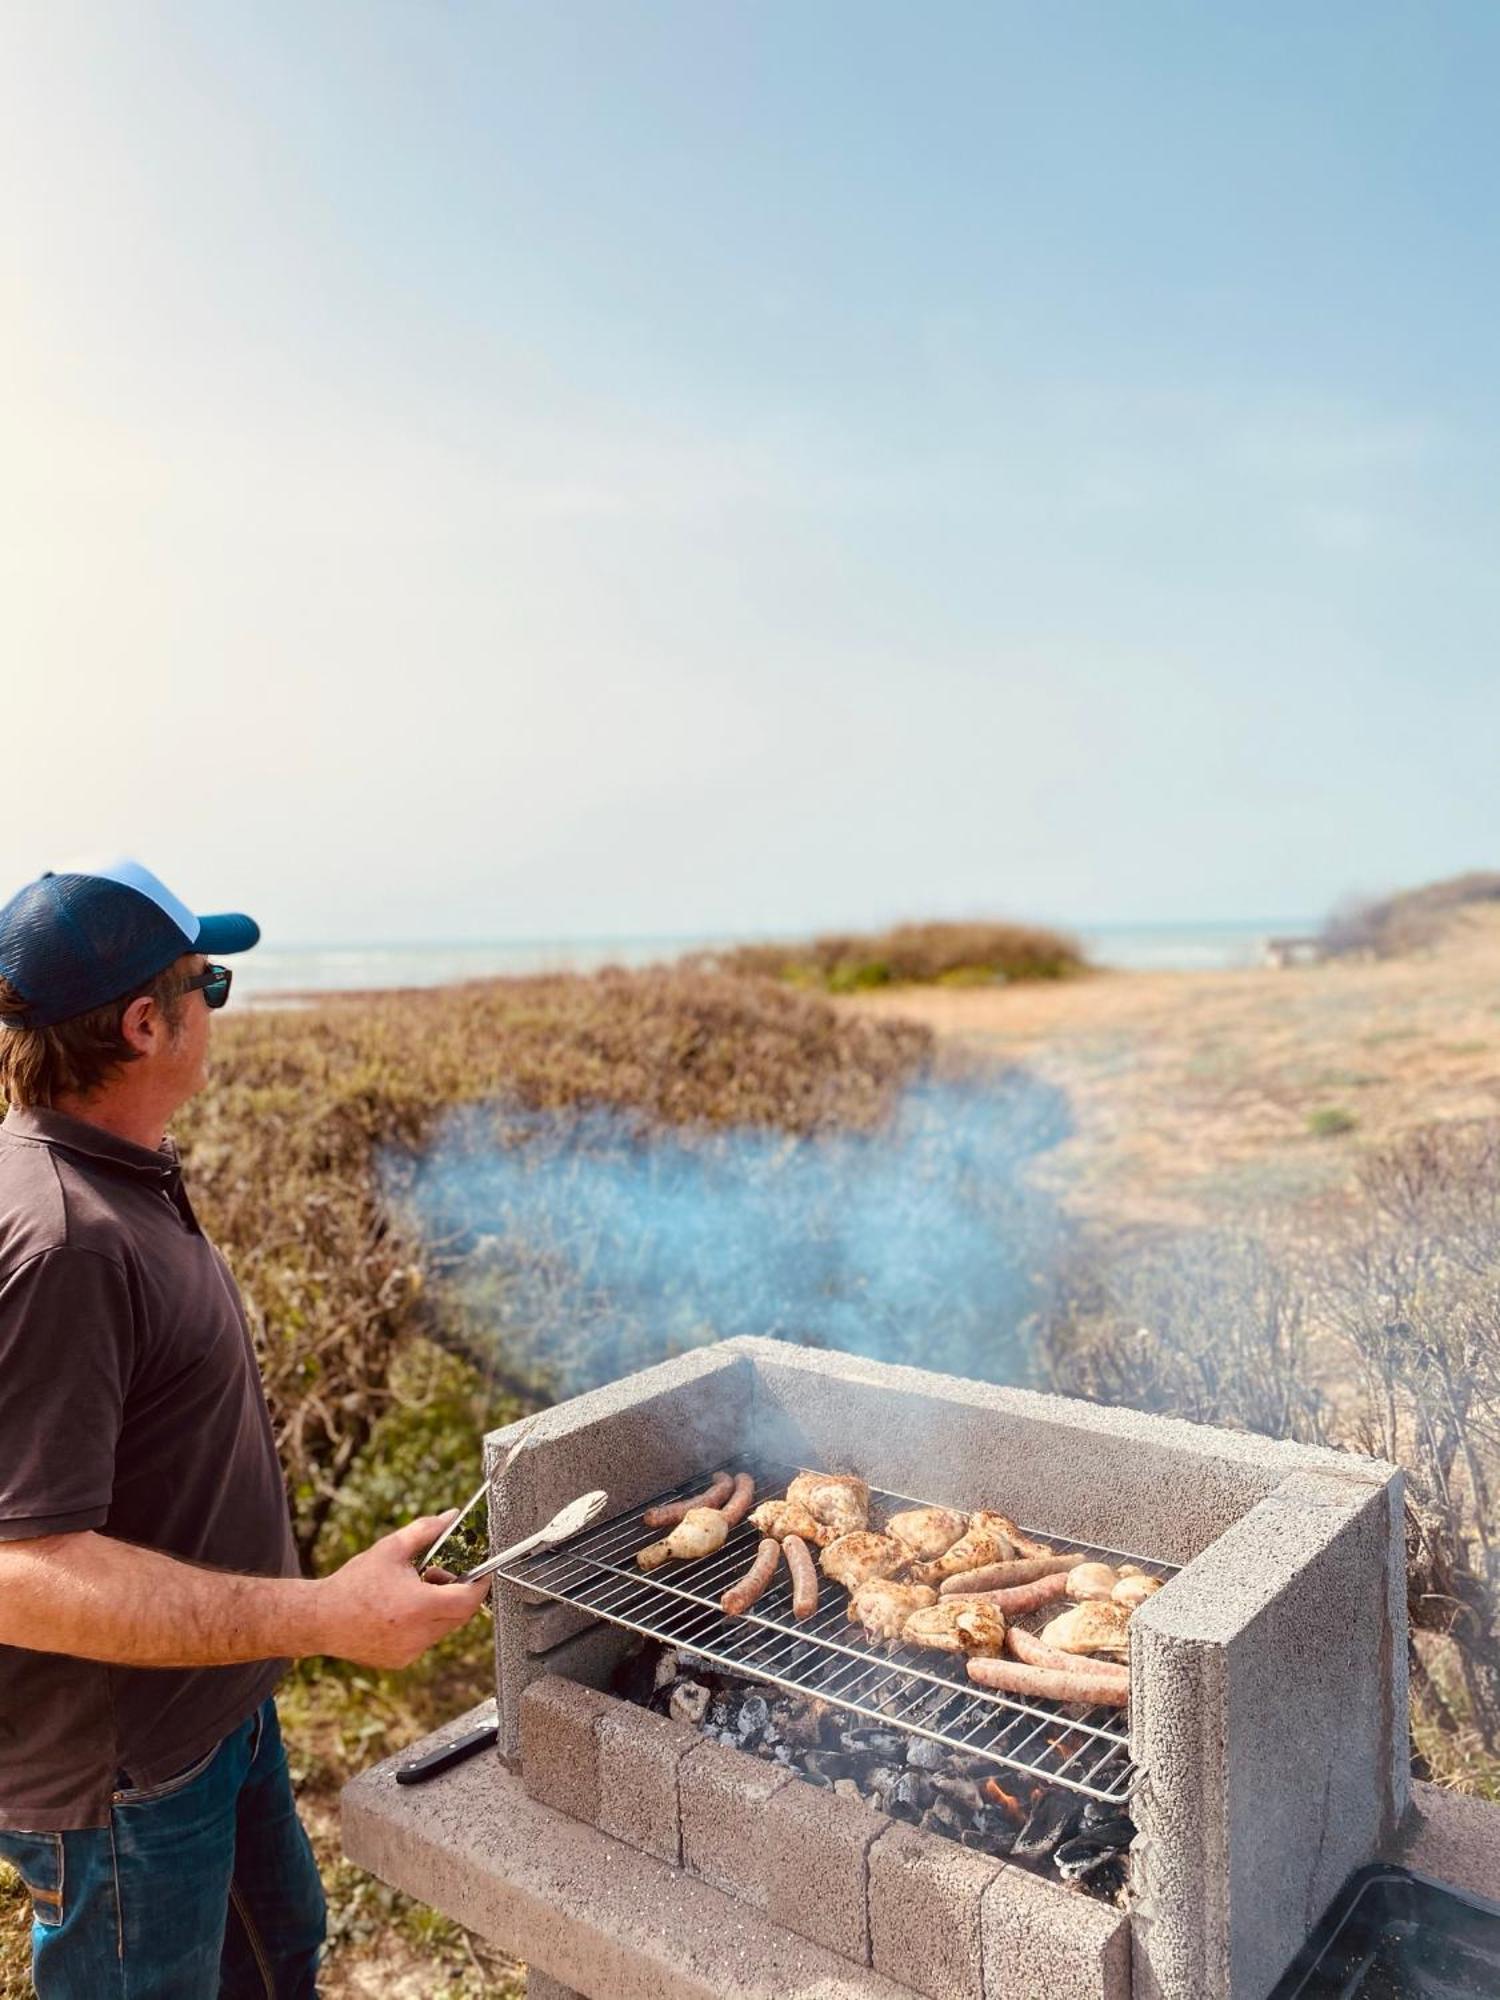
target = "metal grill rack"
x: 828, y: 1657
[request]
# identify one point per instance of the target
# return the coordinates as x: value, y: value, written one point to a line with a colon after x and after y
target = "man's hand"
x: 378, y: 1612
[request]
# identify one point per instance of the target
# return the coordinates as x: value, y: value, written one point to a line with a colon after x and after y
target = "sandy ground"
x: 1199, y: 1096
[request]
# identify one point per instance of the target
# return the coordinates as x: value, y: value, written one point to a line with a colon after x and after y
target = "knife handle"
x: 423, y: 1768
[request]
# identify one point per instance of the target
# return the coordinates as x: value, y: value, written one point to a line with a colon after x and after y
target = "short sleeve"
x: 67, y: 1336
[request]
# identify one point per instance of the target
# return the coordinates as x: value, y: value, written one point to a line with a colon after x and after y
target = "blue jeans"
x: 199, y: 1887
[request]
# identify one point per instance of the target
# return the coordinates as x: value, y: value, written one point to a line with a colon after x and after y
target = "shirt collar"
x: 76, y: 1135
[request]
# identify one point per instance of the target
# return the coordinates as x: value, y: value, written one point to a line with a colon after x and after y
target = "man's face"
x: 187, y: 1044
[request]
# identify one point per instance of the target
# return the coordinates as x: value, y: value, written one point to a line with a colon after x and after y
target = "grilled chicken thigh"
x: 983, y: 1541
x: 852, y: 1559
x: 929, y: 1532
x: 958, y: 1625
x: 780, y: 1518
x: 837, y: 1499
x: 1096, y: 1627
x: 883, y: 1606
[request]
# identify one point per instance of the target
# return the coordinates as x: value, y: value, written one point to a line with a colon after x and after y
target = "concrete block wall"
x: 915, y: 1908
x: 1269, y: 1719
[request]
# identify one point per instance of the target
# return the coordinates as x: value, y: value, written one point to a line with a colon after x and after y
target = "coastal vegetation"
x: 943, y: 954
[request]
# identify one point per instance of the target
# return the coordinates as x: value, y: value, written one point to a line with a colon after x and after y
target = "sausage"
x: 738, y: 1505
x: 804, y: 1576
x: 1026, y: 1596
x: 1080, y: 1683
x: 715, y: 1494
x: 1035, y: 1652
x: 739, y: 1597
x: 1001, y: 1576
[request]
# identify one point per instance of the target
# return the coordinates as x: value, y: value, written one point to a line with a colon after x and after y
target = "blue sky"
x: 513, y: 470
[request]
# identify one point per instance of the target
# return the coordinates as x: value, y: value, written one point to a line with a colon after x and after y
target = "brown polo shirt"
x: 130, y: 1403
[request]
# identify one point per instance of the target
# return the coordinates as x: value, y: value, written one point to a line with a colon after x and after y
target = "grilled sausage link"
x: 804, y: 1576
x: 1003, y: 1576
x: 738, y: 1505
x: 714, y: 1494
x: 1035, y: 1652
x: 739, y: 1597
x: 1080, y: 1684
x: 1026, y: 1596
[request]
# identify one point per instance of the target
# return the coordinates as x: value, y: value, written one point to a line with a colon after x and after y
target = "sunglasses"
x: 213, y: 982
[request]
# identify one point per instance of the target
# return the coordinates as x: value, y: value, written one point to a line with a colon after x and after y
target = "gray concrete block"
x: 1150, y: 1485
x: 816, y: 1848
x: 541, y: 1986
x: 634, y: 1438
x: 1268, y: 1715
x: 1041, y: 1939
x: 925, y: 1899
x: 560, y: 1747
x: 1453, y: 1839
x: 638, y: 1758
x: 723, y: 1795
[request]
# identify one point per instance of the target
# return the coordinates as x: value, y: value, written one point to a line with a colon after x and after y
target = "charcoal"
x: 876, y: 1780
x: 666, y: 1667
x: 723, y: 1710
x: 689, y: 1702
x: 754, y: 1718
x: 1078, y: 1859
x: 887, y: 1744
x: 910, y: 1796
x: 1117, y: 1830
x: 1097, y: 1812
x: 998, y: 1828
x: 833, y: 1764
x: 1055, y: 1815
x: 817, y: 1778
x: 925, y: 1755
x: 942, y: 1818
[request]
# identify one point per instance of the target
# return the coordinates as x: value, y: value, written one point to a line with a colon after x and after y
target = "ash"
x: 979, y: 1804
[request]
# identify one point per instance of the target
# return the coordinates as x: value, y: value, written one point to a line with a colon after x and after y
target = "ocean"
x: 1183, y: 947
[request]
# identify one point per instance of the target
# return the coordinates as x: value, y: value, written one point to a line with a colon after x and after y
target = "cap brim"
x: 225, y: 934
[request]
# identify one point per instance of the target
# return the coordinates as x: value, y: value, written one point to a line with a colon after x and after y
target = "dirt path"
x: 1209, y: 1095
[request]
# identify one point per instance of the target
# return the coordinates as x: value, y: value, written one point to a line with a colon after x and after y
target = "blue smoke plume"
x: 585, y: 1245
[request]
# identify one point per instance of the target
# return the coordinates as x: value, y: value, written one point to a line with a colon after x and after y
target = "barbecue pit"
x: 1264, y: 1756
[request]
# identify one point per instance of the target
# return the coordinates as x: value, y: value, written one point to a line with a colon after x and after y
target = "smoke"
x: 581, y: 1245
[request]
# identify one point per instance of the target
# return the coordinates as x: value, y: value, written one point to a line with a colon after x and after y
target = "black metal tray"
x: 1392, y: 1935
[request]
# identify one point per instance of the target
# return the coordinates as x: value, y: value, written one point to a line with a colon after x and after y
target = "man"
x: 149, y: 1594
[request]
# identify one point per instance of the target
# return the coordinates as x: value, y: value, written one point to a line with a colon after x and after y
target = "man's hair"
x: 74, y: 1058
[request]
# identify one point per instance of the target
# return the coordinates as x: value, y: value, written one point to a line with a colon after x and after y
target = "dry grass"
x: 972, y: 954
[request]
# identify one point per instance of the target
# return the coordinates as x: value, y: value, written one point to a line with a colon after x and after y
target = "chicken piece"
x: 1091, y: 1628
x: 883, y: 1606
x: 983, y: 1541
x: 852, y: 1559
x: 1091, y: 1580
x: 780, y: 1518
x: 958, y: 1625
x: 837, y: 1499
x: 929, y: 1532
x: 1134, y: 1589
x: 700, y: 1531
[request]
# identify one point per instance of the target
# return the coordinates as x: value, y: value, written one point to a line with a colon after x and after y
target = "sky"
x: 484, y: 471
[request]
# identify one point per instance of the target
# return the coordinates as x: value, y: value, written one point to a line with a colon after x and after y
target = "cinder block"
x: 1269, y: 1719
x: 634, y: 1438
x: 541, y: 1986
x: 1039, y: 1938
x: 723, y: 1795
x: 638, y: 1758
x: 925, y: 1898
x: 560, y: 1747
x: 816, y: 1848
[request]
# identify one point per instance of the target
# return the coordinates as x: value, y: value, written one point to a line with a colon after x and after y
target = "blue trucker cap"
x: 76, y: 940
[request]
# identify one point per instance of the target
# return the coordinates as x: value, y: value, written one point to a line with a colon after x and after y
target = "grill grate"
x: 828, y: 1657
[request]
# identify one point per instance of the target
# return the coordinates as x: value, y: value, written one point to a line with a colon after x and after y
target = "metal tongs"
x: 567, y: 1521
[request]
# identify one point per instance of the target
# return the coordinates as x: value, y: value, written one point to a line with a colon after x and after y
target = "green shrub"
x: 1330, y: 1121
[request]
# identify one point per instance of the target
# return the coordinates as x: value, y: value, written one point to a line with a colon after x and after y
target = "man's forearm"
x: 94, y: 1598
